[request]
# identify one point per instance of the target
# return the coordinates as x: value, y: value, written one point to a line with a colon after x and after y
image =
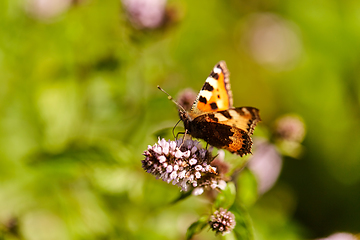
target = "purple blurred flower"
x: 45, y: 9
x: 289, y: 133
x: 272, y: 41
x: 222, y: 221
x: 145, y: 13
x: 185, y: 164
x: 341, y: 236
x: 265, y: 163
x: 186, y: 98
x: 290, y: 128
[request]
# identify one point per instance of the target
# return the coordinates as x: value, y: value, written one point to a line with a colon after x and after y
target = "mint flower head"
x: 290, y: 128
x: 222, y: 221
x: 183, y: 163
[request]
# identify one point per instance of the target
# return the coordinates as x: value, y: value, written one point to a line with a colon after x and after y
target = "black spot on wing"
x: 250, y: 125
x: 207, y: 87
x: 226, y: 114
x: 254, y: 112
x: 213, y: 106
x: 212, y: 117
x: 214, y: 75
x: 240, y: 111
x: 218, y: 96
x: 202, y: 99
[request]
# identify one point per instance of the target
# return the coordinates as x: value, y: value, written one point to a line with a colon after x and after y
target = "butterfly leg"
x: 173, y: 130
x: 183, y: 138
x: 176, y: 137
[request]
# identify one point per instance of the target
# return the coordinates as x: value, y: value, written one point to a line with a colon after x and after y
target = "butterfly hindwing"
x: 229, y: 129
x: 244, y: 118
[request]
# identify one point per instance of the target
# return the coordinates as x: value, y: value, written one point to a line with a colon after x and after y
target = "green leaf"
x: 229, y: 236
x: 247, y: 188
x: 226, y: 197
x: 243, y: 229
x: 197, y: 226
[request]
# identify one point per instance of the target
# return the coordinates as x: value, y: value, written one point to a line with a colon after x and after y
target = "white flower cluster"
x: 184, y: 163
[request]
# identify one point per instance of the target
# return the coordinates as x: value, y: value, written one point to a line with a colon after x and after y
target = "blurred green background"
x: 79, y: 105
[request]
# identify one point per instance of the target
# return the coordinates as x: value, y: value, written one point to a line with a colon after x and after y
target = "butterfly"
x: 213, y: 118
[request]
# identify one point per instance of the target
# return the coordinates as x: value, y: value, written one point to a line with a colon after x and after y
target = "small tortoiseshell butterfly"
x: 214, y: 119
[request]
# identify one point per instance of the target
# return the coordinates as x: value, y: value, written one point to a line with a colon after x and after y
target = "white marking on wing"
x: 221, y: 104
x: 241, y: 121
x: 245, y: 111
x: 221, y: 117
x: 206, y: 94
x: 217, y: 70
x: 213, y: 82
x: 233, y: 114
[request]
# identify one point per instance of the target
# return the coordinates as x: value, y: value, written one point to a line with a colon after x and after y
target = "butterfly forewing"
x: 215, y: 94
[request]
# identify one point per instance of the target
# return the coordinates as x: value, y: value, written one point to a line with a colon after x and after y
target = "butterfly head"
x: 184, y: 116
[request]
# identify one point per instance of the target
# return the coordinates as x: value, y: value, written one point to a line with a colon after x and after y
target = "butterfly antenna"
x: 172, y: 99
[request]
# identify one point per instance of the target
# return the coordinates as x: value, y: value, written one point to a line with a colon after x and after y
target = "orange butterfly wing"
x: 215, y: 95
